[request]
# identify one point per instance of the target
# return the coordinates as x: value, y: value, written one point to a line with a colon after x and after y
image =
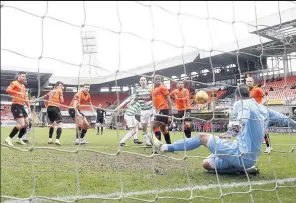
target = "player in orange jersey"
x: 255, y: 92
x: 55, y: 98
x: 18, y: 91
x: 181, y: 96
x: 81, y: 98
x: 162, y: 103
x: 258, y: 95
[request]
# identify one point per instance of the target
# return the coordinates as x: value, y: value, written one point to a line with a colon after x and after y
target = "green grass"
x: 103, y: 168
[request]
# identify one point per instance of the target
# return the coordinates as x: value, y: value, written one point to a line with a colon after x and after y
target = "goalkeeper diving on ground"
x: 242, y: 153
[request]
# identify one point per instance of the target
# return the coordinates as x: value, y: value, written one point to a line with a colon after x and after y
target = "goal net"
x: 210, y: 46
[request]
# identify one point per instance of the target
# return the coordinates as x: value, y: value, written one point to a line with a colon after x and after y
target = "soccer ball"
x: 201, y: 97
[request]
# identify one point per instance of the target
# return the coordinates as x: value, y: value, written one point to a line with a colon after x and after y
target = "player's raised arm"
x: 127, y: 100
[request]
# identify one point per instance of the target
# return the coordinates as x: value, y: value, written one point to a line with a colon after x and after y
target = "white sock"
x: 126, y: 137
x: 49, y: 139
x: 147, y: 140
x: 136, y: 134
x: 25, y: 137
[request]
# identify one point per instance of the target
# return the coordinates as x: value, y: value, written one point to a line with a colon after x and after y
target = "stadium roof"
x: 7, y: 76
x: 274, y: 36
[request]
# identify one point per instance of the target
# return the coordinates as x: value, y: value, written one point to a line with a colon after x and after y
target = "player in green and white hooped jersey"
x: 143, y: 96
x: 29, y: 127
x: 131, y: 121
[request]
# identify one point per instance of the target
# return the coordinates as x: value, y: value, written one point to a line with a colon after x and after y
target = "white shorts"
x: 147, y: 116
x: 131, y: 121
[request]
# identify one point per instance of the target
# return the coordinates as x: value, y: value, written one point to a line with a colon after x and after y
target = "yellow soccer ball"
x: 201, y: 97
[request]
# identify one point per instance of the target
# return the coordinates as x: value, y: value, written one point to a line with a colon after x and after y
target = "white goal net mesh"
x: 211, y: 46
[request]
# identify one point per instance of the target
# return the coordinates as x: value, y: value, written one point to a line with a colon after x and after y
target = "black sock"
x: 22, y: 132
x: 102, y: 130
x: 98, y: 129
x: 167, y: 138
x: 51, y: 132
x: 266, y: 137
x: 187, y: 133
x: 13, y: 132
x: 158, y: 135
x: 59, y: 132
x: 83, y: 132
x: 78, y: 132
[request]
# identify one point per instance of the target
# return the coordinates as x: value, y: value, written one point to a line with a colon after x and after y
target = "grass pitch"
x: 103, y: 170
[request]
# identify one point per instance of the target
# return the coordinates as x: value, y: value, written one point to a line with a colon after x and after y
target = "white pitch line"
x: 147, y: 192
x: 106, y: 147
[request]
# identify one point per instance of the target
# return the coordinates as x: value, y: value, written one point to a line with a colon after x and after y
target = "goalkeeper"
x: 232, y: 156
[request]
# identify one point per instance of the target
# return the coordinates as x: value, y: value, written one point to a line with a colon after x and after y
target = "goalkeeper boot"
x: 156, y: 144
x: 136, y: 141
x: 9, y: 141
x: 20, y: 141
x: 252, y: 170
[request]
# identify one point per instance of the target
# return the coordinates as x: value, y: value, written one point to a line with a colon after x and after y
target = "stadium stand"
x: 274, y: 90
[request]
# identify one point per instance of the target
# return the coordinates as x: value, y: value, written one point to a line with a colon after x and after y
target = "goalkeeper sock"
x: 59, y: 132
x: 83, y: 132
x: 13, y: 132
x: 102, y: 128
x: 51, y: 129
x: 190, y: 144
x: 98, y: 128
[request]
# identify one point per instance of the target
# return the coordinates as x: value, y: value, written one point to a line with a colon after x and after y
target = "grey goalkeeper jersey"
x: 143, y: 95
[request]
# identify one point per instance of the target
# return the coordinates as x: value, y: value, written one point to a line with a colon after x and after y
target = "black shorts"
x: 163, y: 119
x: 187, y: 114
x: 54, y: 114
x: 18, y: 111
x: 72, y: 113
x: 100, y: 120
